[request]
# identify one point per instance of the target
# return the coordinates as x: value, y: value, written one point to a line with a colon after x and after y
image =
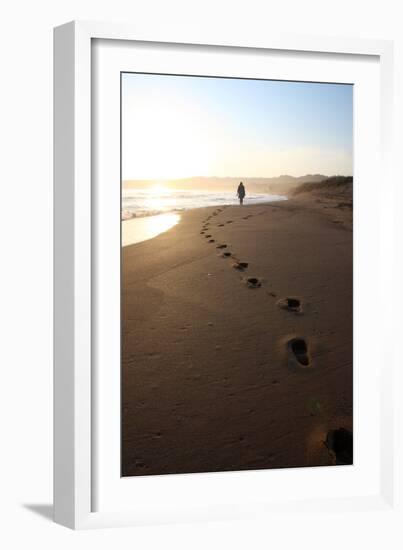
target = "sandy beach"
x: 237, y: 339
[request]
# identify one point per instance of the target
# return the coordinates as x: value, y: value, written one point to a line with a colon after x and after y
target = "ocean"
x: 138, y: 203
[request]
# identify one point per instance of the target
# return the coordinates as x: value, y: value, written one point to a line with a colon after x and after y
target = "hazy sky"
x: 179, y: 126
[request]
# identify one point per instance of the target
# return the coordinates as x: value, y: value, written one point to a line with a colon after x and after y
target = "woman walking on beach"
x: 241, y: 193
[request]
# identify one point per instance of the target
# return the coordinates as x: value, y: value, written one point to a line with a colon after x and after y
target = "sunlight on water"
x: 161, y: 200
x: 136, y: 230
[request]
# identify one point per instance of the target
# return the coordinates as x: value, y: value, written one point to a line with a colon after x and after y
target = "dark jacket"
x: 241, y: 191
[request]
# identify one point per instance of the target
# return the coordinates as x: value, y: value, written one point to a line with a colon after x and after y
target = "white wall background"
x: 26, y: 266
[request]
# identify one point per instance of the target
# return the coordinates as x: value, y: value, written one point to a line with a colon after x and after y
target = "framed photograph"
x: 223, y: 243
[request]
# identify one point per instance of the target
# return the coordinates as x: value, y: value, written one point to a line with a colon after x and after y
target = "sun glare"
x: 158, y: 189
x: 166, y: 139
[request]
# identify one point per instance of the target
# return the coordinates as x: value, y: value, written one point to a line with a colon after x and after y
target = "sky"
x: 181, y: 126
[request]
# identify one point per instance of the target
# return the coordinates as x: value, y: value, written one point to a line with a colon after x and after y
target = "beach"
x: 237, y: 339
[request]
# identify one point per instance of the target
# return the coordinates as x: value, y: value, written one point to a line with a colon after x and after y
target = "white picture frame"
x: 76, y: 393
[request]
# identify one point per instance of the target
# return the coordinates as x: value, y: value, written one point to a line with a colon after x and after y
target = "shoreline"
x: 150, y: 226
x: 136, y: 230
x: 211, y: 380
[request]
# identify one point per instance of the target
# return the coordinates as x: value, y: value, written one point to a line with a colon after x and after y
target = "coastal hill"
x: 333, y: 196
x: 336, y: 191
x: 340, y: 186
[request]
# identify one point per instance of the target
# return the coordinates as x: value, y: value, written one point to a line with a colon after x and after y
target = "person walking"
x: 241, y: 193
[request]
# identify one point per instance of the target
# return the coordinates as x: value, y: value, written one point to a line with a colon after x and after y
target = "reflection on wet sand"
x: 136, y: 230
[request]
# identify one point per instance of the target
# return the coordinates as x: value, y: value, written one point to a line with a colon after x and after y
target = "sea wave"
x: 140, y: 203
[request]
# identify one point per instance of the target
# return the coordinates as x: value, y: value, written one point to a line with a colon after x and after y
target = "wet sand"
x: 233, y: 367
x: 136, y: 230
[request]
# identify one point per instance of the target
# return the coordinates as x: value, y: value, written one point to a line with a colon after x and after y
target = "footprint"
x: 226, y: 254
x: 221, y: 246
x: 253, y: 282
x: 230, y: 221
x: 207, y: 236
x: 220, y: 225
x: 298, y: 349
x: 290, y: 304
x: 240, y: 266
x: 212, y: 241
x: 340, y: 444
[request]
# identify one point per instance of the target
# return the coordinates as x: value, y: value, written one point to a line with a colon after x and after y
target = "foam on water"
x: 149, y: 202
